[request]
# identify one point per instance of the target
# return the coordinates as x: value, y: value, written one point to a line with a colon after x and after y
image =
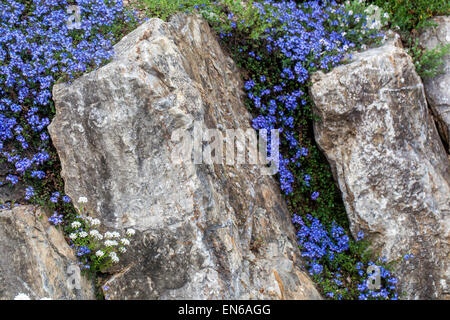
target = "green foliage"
x: 248, y: 36
x: 413, y: 14
x: 251, y: 24
x: 428, y: 62
x: 98, y: 251
x: 163, y: 9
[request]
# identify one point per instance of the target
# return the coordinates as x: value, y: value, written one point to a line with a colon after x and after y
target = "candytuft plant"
x: 97, y: 251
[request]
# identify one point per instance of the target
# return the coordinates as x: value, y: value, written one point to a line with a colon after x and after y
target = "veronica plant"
x: 37, y: 47
x: 280, y: 44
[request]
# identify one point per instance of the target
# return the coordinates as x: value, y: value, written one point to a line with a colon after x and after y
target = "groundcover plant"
x: 278, y: 44
x: 38, y: 46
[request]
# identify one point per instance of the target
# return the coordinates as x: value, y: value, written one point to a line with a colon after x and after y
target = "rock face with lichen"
x: 389, y: 162
x: 36, y: 260
x: 437, y: 88
x: 205, y: 231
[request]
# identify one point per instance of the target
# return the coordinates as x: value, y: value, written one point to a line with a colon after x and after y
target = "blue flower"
x: 56, y: 219
x: 360, y: 236
x: 29, y: 192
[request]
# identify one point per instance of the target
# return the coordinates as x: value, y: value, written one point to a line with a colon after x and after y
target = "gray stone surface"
x: 389, y: 162
x: 35, y: 258
x: 437, y: 89
x: 204, y: 231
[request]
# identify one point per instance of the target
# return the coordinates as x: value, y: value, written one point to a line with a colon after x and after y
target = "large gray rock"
x: 438, y: 88
x: 204, y: 231
x: 389, y: 162
x: 36, y: 260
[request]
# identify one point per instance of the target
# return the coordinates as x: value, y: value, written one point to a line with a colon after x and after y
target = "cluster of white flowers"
x: 108, y: 235
x: 114, y: 257
x: 82, y: 200
x: 75, y: 224
x: 73, y: 236
x: 96, y: 235
x: 23, y: 296
x: 374, y: 17
x: 93, y: 221
x: 123, y: 249
x: 111, y: 235
x: 109, y: 248
x: 111, y: 243
x: 83, y: 234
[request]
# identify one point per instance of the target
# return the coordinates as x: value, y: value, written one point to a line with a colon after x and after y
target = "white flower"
x: 46, y: 298
x: 123, y: 249
x: 75, y: 224
x: 111, y: 243
x: 386, y: 15
x: 108, y: 235
x: 125, y: 242
x: 116, y: 235
x: 131, y: 232
x: 95, y: 222
x: 22, y: 296
x: 114, y: 257
x: 83, y: 234
x: 73, y: 236
x: 96, y: 235
x: 350, y: 13
x: 99, y: 253
x: 82, y: 200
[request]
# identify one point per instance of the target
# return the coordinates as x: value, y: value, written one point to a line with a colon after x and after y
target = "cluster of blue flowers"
x: 36, y: 48
x: 320, y: 248
x: 56, y: 219
x: 298, y: 39
x: 386, y: 292
x: 311, y: 36
x: 316, y: 242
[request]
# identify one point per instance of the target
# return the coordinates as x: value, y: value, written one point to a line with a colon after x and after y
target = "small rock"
x: 35, y: 260
x: 389, y: 162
